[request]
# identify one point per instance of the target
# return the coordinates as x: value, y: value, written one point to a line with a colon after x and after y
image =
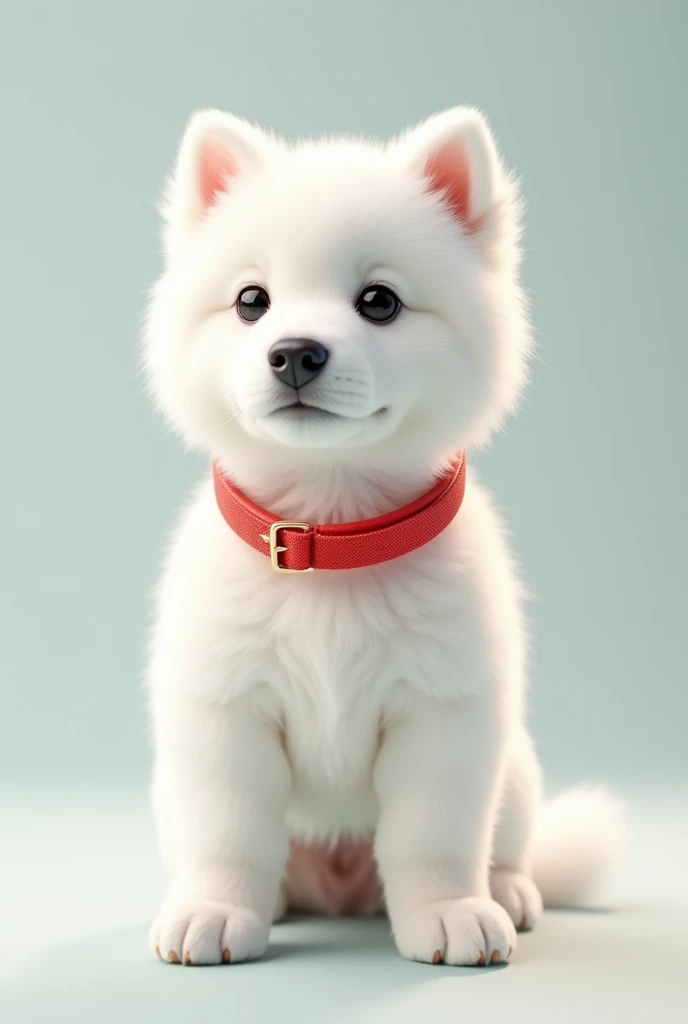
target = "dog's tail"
x: 580, y: 837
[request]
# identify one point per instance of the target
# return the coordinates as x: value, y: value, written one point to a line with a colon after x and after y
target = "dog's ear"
x: 456, y: 155
x: 215, y: 150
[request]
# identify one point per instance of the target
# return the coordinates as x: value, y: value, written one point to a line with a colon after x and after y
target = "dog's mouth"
x: 305, y: 412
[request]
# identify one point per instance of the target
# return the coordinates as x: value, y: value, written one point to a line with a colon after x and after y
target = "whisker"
x: 229, y: 420
x: 404, y: 394
x: 334, y: 395
x: 544, y: 362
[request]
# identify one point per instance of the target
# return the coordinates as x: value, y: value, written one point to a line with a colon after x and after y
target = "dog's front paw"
x: 208, y: 932
x: 519, y: 895
x: 466, y: 932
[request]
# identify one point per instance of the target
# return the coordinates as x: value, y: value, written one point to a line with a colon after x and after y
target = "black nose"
x: 296, y: 361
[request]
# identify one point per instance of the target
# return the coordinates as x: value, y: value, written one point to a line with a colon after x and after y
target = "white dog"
x: 336, y: 324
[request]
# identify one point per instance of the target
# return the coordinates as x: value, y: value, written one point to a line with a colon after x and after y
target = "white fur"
x: 580, y: 834
x: 388, y: 700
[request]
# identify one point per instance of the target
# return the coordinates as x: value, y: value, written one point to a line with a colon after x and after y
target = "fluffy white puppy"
x: 335, y: 322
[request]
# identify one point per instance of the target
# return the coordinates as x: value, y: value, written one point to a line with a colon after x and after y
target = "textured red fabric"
x: 347, y: 545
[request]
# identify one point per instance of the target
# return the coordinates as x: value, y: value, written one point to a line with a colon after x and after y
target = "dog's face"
x: 338, y: 298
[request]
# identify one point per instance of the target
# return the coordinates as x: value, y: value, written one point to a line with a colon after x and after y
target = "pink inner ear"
x: 217, y: 165
x: 448, y: 171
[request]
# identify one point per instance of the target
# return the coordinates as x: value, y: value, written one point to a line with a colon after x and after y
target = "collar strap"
x: 301, y: 547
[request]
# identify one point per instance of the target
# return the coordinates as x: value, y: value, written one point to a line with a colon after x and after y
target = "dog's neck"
x: 322, y: 492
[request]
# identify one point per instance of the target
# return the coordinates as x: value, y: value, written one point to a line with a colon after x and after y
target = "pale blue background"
x: 588, y: 101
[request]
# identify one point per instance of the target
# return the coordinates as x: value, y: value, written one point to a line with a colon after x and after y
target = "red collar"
x: 300, y: 547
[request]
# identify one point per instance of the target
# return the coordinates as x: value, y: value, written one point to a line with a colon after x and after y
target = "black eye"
x: 378, y: 303
x: 252, y: 303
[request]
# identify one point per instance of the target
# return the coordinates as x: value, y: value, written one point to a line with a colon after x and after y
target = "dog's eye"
x: 252, y: 303
x: 378, y: 303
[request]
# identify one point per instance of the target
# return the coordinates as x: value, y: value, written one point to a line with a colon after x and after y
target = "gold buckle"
x: 276, y: 549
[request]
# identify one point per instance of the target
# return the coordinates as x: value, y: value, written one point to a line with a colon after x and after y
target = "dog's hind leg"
x: 511, y: 883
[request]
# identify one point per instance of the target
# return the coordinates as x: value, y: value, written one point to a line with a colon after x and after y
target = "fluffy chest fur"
x: 330, y: 657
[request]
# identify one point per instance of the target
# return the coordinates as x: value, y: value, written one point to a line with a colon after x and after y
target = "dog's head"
x: 338, y: 300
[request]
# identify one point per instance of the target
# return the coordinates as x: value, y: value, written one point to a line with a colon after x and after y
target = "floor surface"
x: 81, y: 880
